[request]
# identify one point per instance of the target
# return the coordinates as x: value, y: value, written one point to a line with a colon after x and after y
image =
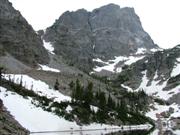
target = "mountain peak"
x: 110, y: 6
x: 104, y: 33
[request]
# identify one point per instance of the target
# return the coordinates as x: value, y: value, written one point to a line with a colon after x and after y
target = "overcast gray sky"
x: 160, y: 18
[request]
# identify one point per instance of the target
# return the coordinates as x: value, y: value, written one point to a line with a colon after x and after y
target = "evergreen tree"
x: 21, y: 81
x: 2, y: 70
x: 89, y: 93
x: 102, y: 100
x: 72, y: 85
x: 56, y: 85
x: 78, y: 95
x: 110, y: 102
x: 122, y: 111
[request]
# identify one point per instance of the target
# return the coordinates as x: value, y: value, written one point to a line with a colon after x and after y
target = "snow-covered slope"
x: 37, y: 120
x: 115, y: 65
x: 156, y: 89
x: 38, y: 86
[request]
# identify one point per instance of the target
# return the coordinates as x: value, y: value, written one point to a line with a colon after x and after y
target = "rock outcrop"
x: 18, y: 38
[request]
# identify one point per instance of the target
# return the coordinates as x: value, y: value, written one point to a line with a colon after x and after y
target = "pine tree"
x: 56, y: 85
x: 110, y: 102
x: 102, y: 100
x: 89, y: 93
x: 78, y: 95
x: 1, y: 104
x: 72, y: 85
x: 21, y: 81
x: 2, y: 70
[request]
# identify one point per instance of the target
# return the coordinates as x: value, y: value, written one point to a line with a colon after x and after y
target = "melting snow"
x: 68, y: 108
x: 163, y: 108
x: 48, y: 46
x: 133, y: 59
x: 128, y: 88
x: 155, y: 50
x: 157, y: 89
x: 94, y: 108
x: 141, y: 51
x: 176, y: 69
x: 39, y: 87
x: 100, y: 61
x: 111, y: 64
x: 46, y: 68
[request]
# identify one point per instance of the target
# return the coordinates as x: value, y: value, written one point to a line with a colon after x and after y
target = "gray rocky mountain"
x: 106, y: 32
x: 17, y: 37
x: 80, y: 40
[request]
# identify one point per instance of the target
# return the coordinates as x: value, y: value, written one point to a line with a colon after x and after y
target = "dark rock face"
x: 103, y: 33
x: 18, y: 38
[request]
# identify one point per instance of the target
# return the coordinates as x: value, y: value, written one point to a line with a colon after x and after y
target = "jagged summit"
x: 104, y: 33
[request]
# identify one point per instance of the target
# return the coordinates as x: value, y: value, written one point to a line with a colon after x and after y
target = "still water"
x: 140, y: 132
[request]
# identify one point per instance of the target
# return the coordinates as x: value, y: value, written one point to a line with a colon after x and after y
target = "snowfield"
x: 46, y: 68
x: 37, y: 120
x: 48, y: 46
x: 39, y: 87
x: 111, y: 65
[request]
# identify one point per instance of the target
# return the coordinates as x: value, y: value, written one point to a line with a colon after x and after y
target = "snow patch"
x: 156, y: 89
x: 94, y: 46
x: 158, y: 109
x: 48, y: 46
x: 133, y: 59
x: 68, y: 108
x: 128, y: 88
x: 94, y: 108
x: 46, y: 68
x: 100, y: 61
x: 111, y: 64
x: 176, y: 69
x: 156, y: 49
x: 141, y: 51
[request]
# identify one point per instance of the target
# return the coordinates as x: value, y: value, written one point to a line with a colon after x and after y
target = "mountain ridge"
x: 18, y: 38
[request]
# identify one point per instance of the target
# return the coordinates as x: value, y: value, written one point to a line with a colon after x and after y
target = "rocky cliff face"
x: 105, y: 32
x: 18, y: 38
